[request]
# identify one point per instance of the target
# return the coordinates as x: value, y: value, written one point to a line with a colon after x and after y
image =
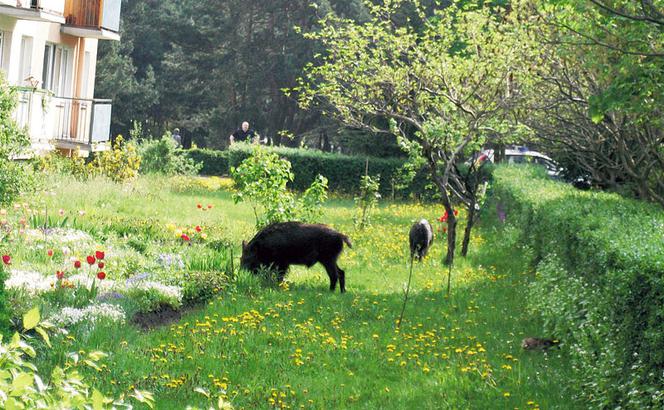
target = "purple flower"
x: 501, y: 212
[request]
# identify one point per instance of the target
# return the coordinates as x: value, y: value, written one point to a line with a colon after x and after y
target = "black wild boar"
x: 421, y: 236
x: 293, y: 243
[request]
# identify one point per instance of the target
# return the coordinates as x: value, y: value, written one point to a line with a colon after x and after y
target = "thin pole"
x: 403, y: 308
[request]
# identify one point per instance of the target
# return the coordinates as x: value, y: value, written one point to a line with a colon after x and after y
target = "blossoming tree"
x: 445, y: 85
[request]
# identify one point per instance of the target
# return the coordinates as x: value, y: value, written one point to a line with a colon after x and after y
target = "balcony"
x: 93, y: 19
x: 51, y: 11
x: 63, y: 122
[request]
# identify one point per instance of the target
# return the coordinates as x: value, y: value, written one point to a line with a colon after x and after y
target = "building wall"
x: 80, y: 82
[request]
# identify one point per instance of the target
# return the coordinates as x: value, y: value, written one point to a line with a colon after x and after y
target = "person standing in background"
x: 243, y: 134
x: 177, y: 138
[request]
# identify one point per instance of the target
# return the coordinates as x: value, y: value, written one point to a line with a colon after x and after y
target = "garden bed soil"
x: 165, y: 315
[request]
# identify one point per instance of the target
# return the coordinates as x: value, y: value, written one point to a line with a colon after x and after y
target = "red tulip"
x: 198, y: 229
x: 209, y: 206
x: 444, y: 230
x: 199, y: 206
x: 456, y: 212
x: 6, y: 259
x: 91, y: 260
x: 185, y: 237
x: 100, y: 255
x: 49, y: 253
x: 60, y: 275
x: 77, y: 264
x: 101, y: 275
x: 101, y: 265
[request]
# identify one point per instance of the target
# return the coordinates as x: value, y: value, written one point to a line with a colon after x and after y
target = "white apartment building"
x: 48, y: 53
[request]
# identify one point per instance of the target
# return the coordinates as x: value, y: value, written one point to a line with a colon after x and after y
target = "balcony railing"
x: 94, y: 14
x: 49, y: 6
x: 65, y: 121
x: 37, y: 10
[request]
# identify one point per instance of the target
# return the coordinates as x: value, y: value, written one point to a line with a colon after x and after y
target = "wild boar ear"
x: 244, y: 245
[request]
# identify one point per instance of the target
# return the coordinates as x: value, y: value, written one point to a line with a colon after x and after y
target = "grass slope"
x: 300, y: 346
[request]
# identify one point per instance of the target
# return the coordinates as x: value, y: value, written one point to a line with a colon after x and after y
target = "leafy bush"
x: 23, y: 388
x: 367, y: 200
x: 262, y: 181
x: 119, y: 164
x: 161, y: 156
x: 14, y: 176
x: 599, y: 284
x: 213, y: 162
x: 201, y: 286
x: 56, y: 163
x: 342, y: 171
x: 150, y: 296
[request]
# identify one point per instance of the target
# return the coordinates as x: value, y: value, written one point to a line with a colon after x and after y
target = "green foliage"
x: 4, y: 308
x: 120, y: 164
x: 367, y: 200
x: 64, y: 388
x: 161, y: 156
x: 14, y: 177
x: 599, y: 282
x: 343, y: 171
x: 57, y: 163
x: 262, y: 181
x: 150, y: 299
x: 202, y: 286
x: 213, y: 162
x: 158, y: 74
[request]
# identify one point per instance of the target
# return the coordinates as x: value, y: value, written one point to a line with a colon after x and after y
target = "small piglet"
x: 293, y: 243
x: 420, y: 238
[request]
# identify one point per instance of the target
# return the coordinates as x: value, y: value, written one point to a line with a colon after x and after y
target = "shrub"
x: 262, y: 181
x: 599, y: 283
x: 367, y: 200
x: 161, y: 156
x: 14, y: 177
x: 58, y: 164
x: 342, y: 171
x: 119, y: 164
x: 201, y: 286
x: 213, y: 162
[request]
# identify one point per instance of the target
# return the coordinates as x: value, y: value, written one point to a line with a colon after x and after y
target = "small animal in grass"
x: 537, y: 343
x: 421, y: 237
x: 293, y: 243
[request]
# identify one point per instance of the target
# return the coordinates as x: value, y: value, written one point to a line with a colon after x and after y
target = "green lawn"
x: 300, y: 346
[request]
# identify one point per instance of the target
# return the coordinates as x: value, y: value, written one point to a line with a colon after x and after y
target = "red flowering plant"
x: 443, y: 222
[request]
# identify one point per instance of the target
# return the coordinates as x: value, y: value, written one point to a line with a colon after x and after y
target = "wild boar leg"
x: 331, y: 268
x: 342, y: 279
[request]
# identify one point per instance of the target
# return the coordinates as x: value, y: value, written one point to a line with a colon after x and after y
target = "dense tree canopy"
x: 590, y: 93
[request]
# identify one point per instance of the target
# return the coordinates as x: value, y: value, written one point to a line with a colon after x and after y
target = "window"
x: 86, y: 74
x: 47, y: 71
x: 25, y: 65
x: 56, y: 69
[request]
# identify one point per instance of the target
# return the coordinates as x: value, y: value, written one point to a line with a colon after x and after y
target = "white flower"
x: 86, y: 281
x: 32, y: 282
x: 92, y: 313
x: 171, y: 292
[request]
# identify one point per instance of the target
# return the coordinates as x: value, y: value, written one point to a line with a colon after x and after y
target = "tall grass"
x: 300, y: 346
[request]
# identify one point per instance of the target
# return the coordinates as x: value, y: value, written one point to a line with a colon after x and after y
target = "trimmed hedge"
x: 599, y: 283
x: 214, y: 162
x: 342, y: 171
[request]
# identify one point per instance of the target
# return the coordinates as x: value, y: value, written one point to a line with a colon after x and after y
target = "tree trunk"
x: 451, y: 234
x: 469, y: 228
